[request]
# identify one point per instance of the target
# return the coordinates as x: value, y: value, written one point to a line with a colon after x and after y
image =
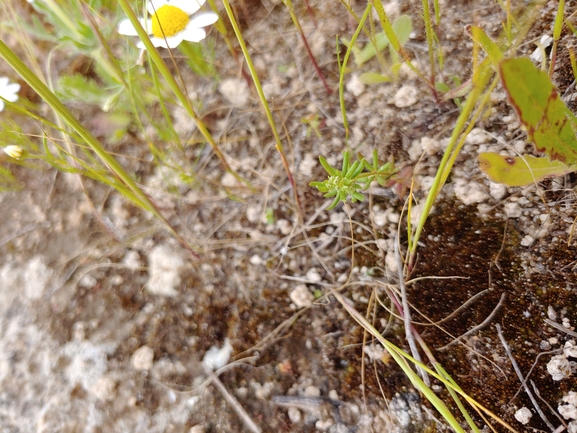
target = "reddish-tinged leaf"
x: 550, y: 125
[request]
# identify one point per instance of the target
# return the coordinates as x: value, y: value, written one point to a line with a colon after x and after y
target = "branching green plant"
x: 352, y: 179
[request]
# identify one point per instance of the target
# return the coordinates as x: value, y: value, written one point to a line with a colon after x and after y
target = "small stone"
x: 262, y: 392
x: 415, y: 150
x: 380, y: 219
x: 337, y: 218
x: 324, y: 425
x: 430, y: 145
x: 572, y: 427
x: 391, y: 263
x: 294, y: 415
x: 571, y: 398
x: 355, y: 86
x: 497, y: 190
x: 406, y: 96
x: 197, y: 429
x: 229, y: 180
x: 255, y: 260
x: 216, y: 358
x: 87, y: 281
x: 544, y: 345
x: 527, y: 240
x: 307, y: 164
x: 476, y: 136
x: 570, y: 351
x: 235, y: 91
x: 253, y: 213
x: 131, y: 260
x: 559, y: 368
x: 301, y: 296
x: 142, y: 358
x: 374, y: 351
x: 312, y: 391
x: 164, y: 267
x: 523, y: 415
x: 551, y: 313
x: 284, y: 226
x: 313, y: 275
x: 512, y: 210
x: 104, y: 389
x: 427, y: 183
x: 470, y: 192
x: 567, y: 411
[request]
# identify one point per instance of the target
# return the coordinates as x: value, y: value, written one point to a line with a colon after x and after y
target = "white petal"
x: 126, y: 28
x: 154, y: 5
x: 1, y: 105
x: 175, y: 41
x: 170, y: 42
x: 203, y: 20
x: 188, y: 6
x: 10, y: 92
x: 193, y: 35
x: 3, y: 82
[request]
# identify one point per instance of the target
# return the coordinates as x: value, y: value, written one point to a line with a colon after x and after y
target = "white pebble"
x: 294, y: 415
x: 567, y: 411
x: 105, y: 389
x: 216, y: 358
x: 142, y: 358
x: 430, y: 145
x: 406, y: 96
x: 512, y: 210
x: 523, y: 415
x: 497, y: 190
x: 559, y: 367
x: 301, y: 296
x: 313, y: 275
x: 355, y: 86
x: 235, y: 91
x: 164, y: 267
x: 571, y: 398
x: 312, y: 391
x: 476, y: 136
x: 470, y: 192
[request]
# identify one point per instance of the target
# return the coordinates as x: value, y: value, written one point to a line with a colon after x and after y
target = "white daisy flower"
x: 171, y: 22
x: 8, y: 91
x: 14, y: 151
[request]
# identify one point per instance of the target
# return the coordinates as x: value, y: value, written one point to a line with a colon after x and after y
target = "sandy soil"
x: 108, y: 325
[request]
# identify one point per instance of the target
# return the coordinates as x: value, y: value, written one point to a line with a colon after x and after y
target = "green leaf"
x: 373, y: 78
x: 79, y: 89
x: 550, y: 125
x: 520, y: 171
x: 402, y: 27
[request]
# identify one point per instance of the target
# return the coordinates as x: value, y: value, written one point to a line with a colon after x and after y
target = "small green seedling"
x: 550, y: 126
x: 352, y: 179
x: 402, y: 27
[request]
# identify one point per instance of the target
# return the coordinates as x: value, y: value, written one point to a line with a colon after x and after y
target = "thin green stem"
x: 167, y: 75
x: 262, y: 98
x: 343, y: 67
x: 138, y: 196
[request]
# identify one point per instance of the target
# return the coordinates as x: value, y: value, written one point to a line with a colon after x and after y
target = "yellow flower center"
x: 168, y: 21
